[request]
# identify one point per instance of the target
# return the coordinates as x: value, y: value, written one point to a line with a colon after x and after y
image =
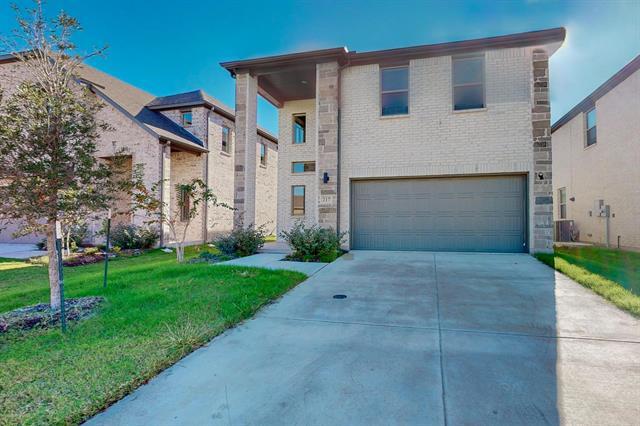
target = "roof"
x: 200, y: 98
x: 589, y: 102
x: 292, y: 76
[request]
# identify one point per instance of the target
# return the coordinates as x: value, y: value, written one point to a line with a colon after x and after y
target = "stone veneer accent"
x: 245, y: 150
x: 542, y: 238
x: 327, y: 90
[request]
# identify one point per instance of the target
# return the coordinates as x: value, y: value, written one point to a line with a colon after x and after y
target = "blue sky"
x: 167, y: 47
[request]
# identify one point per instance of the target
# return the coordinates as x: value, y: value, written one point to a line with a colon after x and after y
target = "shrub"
x: 91, y: 250
x: 313, y: 243
x: 242, y: 241
x: 133, y: 237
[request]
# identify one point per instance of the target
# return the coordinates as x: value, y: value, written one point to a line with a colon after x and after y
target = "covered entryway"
x: 479, y: 213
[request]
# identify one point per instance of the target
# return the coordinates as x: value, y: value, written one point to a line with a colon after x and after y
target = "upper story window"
x: 263, y: 154
x: 592, y: 136
x: 394, y: 91
x: 226, y: 139
x: 562, y: 203
x: 468, y: 82
x: 303, y: 166
x: 186, y: 117
x: 299, y: 128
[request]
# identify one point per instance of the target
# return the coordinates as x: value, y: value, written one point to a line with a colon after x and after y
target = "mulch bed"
x: 42, y: 316
x: 83, y: 259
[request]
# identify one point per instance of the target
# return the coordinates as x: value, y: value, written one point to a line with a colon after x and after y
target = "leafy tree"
x: 190, y: 197
x: 48, y: 134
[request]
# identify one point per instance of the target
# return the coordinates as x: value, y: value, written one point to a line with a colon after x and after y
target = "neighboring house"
x: 596, y: 162
x: 436, y: 147
x: 177, y: 138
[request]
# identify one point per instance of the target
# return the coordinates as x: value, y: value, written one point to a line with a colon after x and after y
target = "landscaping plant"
x: 242, y: 241
x: 313, y: 243
x: 129, y: 236
x: 48, y: 135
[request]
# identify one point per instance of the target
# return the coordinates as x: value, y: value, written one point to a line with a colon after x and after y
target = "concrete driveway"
x: 20, y: 251
x: 422, y: 338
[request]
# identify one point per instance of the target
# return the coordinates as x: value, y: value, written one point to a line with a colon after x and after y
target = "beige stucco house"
x: 596, y: 163
x: 177, y: 138
x: 435, y: 147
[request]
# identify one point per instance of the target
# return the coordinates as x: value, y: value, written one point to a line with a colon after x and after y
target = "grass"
x: 156, y: 312
x: 613, y: 274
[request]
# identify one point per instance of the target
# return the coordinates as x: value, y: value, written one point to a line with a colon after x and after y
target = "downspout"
x: 205, y: 173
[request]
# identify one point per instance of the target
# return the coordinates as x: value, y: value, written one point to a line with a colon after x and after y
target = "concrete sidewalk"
x: 274, y: 261
x: 20, y: 251
x: 421, y: 339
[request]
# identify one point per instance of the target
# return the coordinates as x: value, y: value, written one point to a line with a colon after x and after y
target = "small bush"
x: 313, y: 243
x: 91, y: 250
x: 242, y: 241
x: 133, y: 237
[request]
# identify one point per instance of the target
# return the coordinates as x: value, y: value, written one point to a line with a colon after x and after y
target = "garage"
x: 479, y: 213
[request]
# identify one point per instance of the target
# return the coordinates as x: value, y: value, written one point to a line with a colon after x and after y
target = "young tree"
x: 190, y: 197
x: 48, y: 134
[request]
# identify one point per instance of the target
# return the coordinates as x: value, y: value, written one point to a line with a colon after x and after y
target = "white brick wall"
x: 287, y: 153
x: 609, y: 170
x: 432, y: 140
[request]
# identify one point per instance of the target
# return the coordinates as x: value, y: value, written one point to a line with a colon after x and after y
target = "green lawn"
x: 613, y: 274
x: 156, y: 312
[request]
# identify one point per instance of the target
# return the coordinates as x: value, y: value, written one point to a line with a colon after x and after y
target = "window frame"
x: 304, y: 163
x: 222, y: 145
x: 293, y: 128
x: 263, y: 158
x: 185, y: 200
x: 562, y: 191
x: 304, y: 200
x: 483, y: 82
x: 182, y: 120
x: 587, y: 128
x: 383, y: 92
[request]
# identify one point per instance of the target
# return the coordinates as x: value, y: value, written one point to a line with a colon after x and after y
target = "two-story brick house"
x: 596, y: 168
x: 435, y: 147
x: 176, y: 138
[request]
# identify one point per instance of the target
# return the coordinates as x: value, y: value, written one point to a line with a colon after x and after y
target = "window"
x: 184, y: 205
x: 187, y: 118
x: 299, y: 128
x: 303, y: 166
x: 394, y: 91
x: 468, y: 83
x: 263, y: 154
x: 562, y: 203
x: 226, y: 144
x: 297, y: 200
x: 591, y: 127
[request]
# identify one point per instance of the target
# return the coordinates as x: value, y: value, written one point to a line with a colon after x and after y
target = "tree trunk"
x: 180, y: 253
x: 54, y: 277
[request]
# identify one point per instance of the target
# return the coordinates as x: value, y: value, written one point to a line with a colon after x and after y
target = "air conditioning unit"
x: 565, y: 231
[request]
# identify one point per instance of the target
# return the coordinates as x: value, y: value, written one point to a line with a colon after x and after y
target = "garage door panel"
x: 453, y: 214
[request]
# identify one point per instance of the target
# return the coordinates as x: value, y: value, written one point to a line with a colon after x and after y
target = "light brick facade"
x: 608, y: 170
x: 509, y: 136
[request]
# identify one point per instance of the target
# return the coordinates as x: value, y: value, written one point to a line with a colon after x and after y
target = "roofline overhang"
x: 270, y: 64
x: 590, y: 101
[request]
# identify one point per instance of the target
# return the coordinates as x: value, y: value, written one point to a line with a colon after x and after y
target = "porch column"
x: 542, y: 239
x: 327, y: 81
x: 165, y: 190
x: 245, y: 150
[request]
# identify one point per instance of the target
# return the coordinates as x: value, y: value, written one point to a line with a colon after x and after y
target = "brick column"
x: 165, y: 173
x: 542, y: 239
x: 327, y: 81
x: 245, y: 151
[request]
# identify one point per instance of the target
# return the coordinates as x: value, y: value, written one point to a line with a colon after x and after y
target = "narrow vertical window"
x: 592, y: 137
x: 226, y: 144
x: 263, y: 154
x: 184, y: 205
x: 468, y: 83
x: 394, y: 91
x: 299, y: 128
x: 187, y: 118
x: 562, y: 203
x: 297, y: 200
